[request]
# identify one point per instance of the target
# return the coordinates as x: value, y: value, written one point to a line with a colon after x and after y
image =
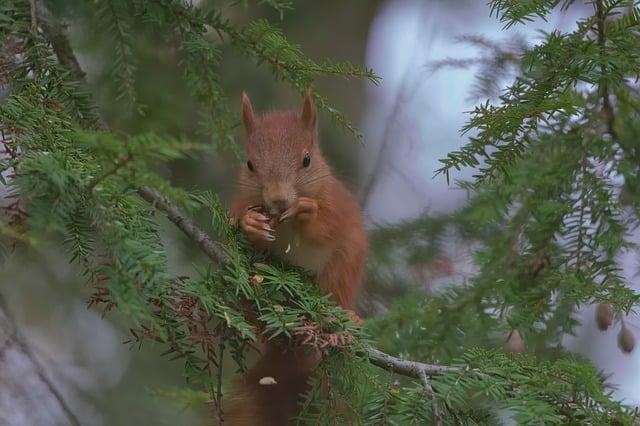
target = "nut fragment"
x: 256, y: 279
x: 267, y: 381
x: 604, y: 316
x: 626, y: 340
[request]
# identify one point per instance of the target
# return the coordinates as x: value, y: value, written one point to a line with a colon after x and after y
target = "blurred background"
x: 409, y: 121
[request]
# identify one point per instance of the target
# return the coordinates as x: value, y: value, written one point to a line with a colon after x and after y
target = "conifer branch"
x: 215, y: 250
x: 211, y: 248
x: 507, y: 381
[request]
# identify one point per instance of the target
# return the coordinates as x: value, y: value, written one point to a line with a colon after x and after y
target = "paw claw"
x: 256, y: 227
x: 304, y: 209
x: 286, y: 215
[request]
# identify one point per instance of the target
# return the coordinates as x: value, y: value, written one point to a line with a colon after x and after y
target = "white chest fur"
x: 292, y: 248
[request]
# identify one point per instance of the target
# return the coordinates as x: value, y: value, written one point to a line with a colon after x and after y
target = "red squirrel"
x: 319, y: 227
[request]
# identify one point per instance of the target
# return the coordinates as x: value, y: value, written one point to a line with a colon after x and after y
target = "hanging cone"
x: 604, y: 316
x: 626, y: 340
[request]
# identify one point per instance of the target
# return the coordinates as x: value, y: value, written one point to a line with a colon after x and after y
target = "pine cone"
x: 604, y: 316
x: 626, y: 340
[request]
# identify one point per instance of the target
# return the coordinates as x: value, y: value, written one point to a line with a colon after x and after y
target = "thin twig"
x: 437, y: 415
x: 607, y: 108
x: 220, y: 413
x: 117, y: 166
x: 34, y: 13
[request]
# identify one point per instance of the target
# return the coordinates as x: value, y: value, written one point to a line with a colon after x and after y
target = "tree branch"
x: 54, y: 30
x: 405, y: 367
x: 214, y: 250
x: 211, y: 248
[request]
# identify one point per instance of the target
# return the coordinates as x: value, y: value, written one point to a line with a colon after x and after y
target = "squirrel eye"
x: 307, y: 160
x: 250, y: 165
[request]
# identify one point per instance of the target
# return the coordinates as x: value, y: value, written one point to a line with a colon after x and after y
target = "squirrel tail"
x: 270, y: 393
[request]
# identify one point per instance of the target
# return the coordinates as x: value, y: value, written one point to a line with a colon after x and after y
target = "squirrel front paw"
x: 303, y: 210
x: 256, y: 227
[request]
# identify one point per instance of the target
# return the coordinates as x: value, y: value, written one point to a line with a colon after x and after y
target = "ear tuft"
x: 309, y: 110
x: 247, y: 114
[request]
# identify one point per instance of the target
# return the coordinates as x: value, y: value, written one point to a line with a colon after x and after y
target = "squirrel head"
x: 283, y: 158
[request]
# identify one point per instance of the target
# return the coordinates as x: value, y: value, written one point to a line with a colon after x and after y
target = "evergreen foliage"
x: 555, y: 195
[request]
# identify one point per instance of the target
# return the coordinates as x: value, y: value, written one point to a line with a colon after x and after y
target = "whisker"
x: 312, y: 179
x: 245, y: 180
x: 248, y: 184
x: 314, y: 175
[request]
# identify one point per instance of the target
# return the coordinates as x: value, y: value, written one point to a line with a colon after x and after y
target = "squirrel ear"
x: 247, y: 114
x: 309, y: 110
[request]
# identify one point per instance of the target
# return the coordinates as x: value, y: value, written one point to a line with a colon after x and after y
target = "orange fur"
x: 326, y: 236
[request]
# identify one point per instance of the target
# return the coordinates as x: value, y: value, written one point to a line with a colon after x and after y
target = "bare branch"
x: 405, y: 367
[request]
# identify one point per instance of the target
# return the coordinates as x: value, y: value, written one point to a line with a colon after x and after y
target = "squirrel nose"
x: 279, y: 205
